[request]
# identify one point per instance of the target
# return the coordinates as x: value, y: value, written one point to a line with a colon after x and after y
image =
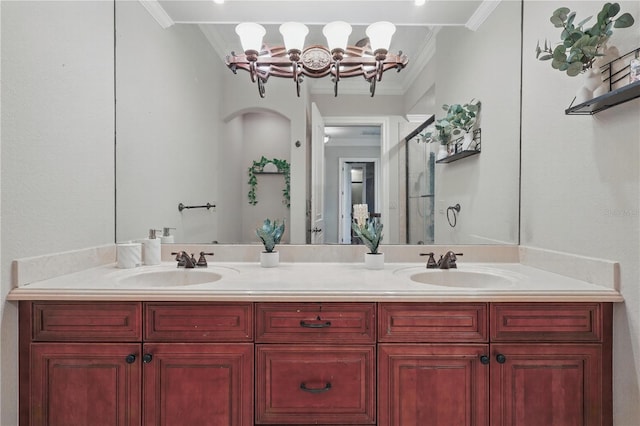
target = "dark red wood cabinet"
x: 542, y: 364
x: 86, y: 363
x: 241, y: 364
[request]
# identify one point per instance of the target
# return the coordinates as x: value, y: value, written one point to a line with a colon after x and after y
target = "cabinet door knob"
x: 326, y: 387
x: 146, y: 358
x: 315, y: 325
x: 130, y: 359
x: 484, y: 359
x: 501, y: 359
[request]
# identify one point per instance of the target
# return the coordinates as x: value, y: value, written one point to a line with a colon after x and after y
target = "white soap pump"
x: 151, y: 249
x: 166, y: 237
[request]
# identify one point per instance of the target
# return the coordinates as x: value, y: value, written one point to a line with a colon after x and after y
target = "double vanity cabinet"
x: 342, y: 363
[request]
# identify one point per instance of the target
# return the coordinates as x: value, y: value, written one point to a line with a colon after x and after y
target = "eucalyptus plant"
x: 459, y: 118
x: 370, y: 232
x: 463, y: 117
x: 270, y: 234
x: 579, y: 46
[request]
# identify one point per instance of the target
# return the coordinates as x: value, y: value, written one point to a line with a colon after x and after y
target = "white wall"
x: 240, y: 97
x: 469, y: 63
x: 57, y: 144
x: 581, y: 185
x: 268, y: 135
x: 168, y: 127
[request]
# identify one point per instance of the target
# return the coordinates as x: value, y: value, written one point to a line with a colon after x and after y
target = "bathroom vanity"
x: 255, y: 350
x: 188, y: 363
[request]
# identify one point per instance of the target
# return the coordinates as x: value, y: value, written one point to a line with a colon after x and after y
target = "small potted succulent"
x: 270, y: 234
x: 370, y: 232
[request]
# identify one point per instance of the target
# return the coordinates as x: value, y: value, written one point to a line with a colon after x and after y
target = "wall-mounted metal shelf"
x: 615, y: 96
x: 600, y: 103
x: 459, y: 153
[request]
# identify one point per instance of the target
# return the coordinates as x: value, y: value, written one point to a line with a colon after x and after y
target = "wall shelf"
x: 600, y: 103
x: 459, y: 153
x: 614, y: 97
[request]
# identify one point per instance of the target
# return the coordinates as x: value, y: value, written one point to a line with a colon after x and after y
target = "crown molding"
x: 158, y: 13
x: 420, y: 61
x: 481, y: 14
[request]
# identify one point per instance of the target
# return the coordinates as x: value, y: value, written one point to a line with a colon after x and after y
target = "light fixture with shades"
x: 338, y: 60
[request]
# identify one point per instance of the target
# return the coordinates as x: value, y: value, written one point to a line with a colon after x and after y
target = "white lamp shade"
x: 293, y: 34
x: 250, y: 35
x: 337, y: 34
x: 380, y: 34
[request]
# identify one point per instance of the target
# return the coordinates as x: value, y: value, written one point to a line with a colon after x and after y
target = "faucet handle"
x: 202, y: 261
x: 431, y: 262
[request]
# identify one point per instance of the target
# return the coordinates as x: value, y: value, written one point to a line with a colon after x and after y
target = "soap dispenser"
x: 151, y: 249
x: 166, y: 237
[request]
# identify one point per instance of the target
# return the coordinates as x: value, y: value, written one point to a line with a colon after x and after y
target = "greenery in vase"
x: 370, y: 232
x: 579, y: 47
x: 270, y: 234
x: 463, y: 117
x: 459, y: 119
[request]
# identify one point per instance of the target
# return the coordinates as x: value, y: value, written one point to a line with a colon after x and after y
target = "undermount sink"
x: 174, y: 277
x: 470, y: 278
x: 466, y: 279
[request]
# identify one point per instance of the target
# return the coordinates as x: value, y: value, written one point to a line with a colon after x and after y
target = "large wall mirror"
x: 188, y: 130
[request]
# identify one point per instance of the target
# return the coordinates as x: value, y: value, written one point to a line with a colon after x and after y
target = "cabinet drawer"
x: 315, y: 384
x: 198, y: 322
x: 91, y: 321
x: 353, y: 323
x: 582, y: 322
x: 433, y: 322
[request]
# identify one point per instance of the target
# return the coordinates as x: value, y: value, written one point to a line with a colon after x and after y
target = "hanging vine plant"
x: 258, y: 167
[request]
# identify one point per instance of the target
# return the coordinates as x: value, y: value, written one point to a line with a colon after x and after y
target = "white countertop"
x: 347, y: 282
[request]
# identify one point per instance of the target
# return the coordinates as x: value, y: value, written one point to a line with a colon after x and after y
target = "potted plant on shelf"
x: 579, y: 47
x: 370, y: 232
x: 439, y: 132
x: 463, y: 119
x: 270, y: 234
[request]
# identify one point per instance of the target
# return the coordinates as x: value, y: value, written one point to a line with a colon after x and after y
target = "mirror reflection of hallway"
x: 358, y: 185
x: 347, y: 148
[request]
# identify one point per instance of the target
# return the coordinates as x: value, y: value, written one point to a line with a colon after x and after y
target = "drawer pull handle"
x: 326, y: 387
x: 147, y: 358
x: 315, y: 325
x: 130, y: 359
x: 501, y: 359
x: 484, y: 360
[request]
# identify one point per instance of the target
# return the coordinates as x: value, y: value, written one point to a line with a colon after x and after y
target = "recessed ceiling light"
x: 222, y: 1
x: 420, y: 2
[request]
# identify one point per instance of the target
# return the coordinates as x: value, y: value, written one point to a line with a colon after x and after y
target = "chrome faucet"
x: 448, y: 261
x: 184, y: 260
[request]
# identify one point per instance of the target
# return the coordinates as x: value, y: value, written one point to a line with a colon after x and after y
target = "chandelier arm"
x: 336, y: 78
x: 261, y: 89
x: 297, y: 77
x: 372, y: 85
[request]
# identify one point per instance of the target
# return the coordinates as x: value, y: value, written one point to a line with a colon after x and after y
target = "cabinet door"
x: 198, y: 384
x: 85, y: 384
x: 422, y: 385
x: 547, y: 384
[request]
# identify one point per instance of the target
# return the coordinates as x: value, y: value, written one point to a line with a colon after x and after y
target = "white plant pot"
x: 269, y: 260
x: 374, y: 261
x: 592, y: 85
x: 443, y: 152
x: 467, y: 140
